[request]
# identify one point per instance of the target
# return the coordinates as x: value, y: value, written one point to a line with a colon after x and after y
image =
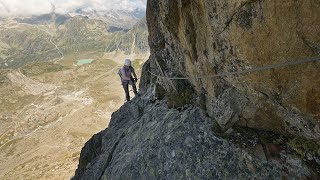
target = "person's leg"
x: 134, y: 87
x: 126, y: 90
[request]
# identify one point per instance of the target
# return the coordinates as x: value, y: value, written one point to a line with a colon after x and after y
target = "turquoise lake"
x: 84, y: 61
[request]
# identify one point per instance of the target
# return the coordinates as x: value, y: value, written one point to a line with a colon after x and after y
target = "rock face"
x: 146, y: 140
x: 204, y: 38
x: 161, y: 136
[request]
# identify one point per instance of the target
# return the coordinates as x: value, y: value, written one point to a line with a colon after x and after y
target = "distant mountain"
x: 125, y: 19
x: 44, y: 19
x: 135, y: 41
x: 112, y: 29
x: 50, y: 36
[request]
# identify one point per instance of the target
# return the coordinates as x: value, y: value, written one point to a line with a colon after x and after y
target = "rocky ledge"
x: 147, y: 140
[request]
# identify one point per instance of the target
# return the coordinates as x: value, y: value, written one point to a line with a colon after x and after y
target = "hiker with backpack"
x: 125, y: 74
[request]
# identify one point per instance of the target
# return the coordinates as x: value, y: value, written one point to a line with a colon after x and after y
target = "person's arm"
x: 134, y: 74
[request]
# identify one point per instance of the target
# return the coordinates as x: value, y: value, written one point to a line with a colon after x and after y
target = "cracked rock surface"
x: 204, y: 38
x: 146, y: 140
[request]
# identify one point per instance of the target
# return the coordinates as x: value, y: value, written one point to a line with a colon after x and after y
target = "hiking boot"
x: 136, y: 94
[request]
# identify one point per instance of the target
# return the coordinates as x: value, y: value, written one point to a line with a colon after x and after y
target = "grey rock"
x: 146, y: 140
x: 228, y: 107
x: 195, y: 39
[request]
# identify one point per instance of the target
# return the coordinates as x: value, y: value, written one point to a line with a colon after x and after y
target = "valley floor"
x: 46, y: 117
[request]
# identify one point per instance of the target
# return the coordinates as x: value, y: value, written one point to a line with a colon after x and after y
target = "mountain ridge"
x: 51, y: 36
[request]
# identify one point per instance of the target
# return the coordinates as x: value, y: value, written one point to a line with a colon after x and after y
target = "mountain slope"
x: 134, y: 41
x: 46, y: 37
x: 49, y: 103
x: 48, y: 110
x: 117, y: 18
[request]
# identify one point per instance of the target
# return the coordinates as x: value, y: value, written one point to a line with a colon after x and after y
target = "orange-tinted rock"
x: 205, y: 38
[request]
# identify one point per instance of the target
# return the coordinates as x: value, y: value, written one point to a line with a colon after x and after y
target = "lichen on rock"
x: 147, y: 140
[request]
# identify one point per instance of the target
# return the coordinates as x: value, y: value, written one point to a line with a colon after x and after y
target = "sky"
x: 36, y: 7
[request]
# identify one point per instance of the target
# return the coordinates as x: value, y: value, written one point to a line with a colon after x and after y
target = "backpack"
x: 120, y: 72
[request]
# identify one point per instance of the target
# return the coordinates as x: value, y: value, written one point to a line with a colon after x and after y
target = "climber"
x: 126, y: 78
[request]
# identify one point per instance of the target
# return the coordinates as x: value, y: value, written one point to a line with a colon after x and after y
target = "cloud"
x: 33, y: 7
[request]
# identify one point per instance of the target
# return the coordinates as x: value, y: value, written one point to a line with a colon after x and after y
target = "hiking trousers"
x: 125, y: 85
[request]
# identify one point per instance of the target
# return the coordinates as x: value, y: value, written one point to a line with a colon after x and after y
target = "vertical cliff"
x: 204, y: 125
x: 205, y: 38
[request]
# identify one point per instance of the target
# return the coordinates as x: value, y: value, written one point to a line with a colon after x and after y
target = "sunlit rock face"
x: 205, y: 38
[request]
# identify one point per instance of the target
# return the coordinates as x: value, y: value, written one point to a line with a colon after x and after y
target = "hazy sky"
x: 28, y: 7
